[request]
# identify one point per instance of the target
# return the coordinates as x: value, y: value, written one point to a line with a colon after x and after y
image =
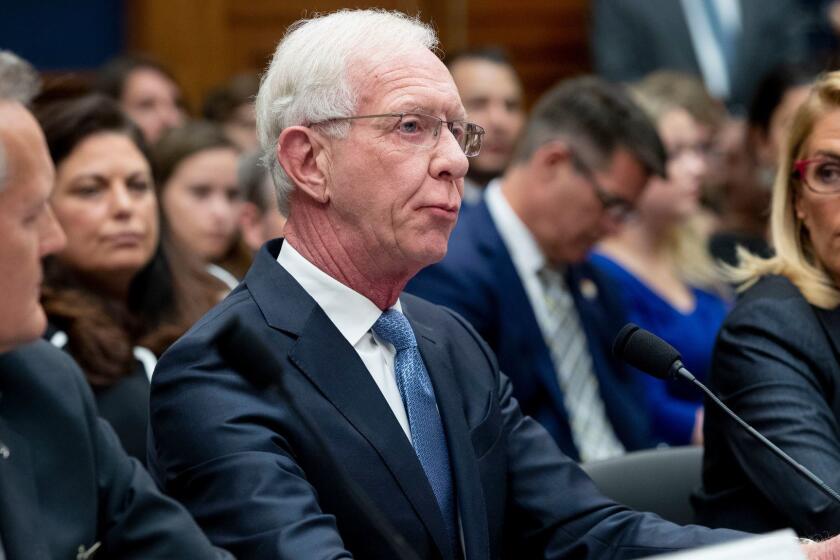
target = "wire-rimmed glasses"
x: 423, y: 131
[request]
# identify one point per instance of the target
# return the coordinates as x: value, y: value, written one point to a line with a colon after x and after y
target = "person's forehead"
x: 417, y: 80
x: 481, y: 74
x: 826, y: 129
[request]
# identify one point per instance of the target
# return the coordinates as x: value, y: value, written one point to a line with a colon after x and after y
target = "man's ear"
x: 550, y: 159
x: 299, y: 151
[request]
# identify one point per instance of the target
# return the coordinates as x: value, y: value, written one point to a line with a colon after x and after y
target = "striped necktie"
x: 591, y: 429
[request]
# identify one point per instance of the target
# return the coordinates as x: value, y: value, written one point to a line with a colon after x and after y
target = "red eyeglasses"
x: 821, y: 175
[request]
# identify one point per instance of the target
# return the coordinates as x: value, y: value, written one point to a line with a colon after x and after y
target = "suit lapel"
x: 523, y: 325
x: 350, y: 388
x: 325, y: 357
x: 19, y: 514
x: 467, y: 478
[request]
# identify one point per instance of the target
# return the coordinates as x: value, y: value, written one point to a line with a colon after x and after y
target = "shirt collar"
x: 352, y: 313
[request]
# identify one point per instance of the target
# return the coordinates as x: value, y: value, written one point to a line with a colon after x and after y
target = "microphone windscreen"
x: 645, y: 351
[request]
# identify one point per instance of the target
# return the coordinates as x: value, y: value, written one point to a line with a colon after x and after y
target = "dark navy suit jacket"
x: 777, y: 365
x: 253, y: 476
x: 479, y: 281
x: 65, y: 482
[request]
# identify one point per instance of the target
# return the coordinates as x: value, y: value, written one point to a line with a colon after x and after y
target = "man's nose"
x: 448, y: 160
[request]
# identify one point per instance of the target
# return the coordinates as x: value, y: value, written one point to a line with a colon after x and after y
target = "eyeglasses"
x: 821, y: 175
x: 423, y: 131
x: 617, y: 208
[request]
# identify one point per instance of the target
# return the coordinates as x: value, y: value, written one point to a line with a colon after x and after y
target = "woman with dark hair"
x: 195, y: 170
x: 146, y: 91
x: 116, y: 296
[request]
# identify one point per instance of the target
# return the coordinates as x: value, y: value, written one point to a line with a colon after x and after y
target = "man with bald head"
x: 365, y: 135
x: 67, y: 488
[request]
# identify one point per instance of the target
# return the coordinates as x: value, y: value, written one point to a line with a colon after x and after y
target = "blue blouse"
x: 672, y: 404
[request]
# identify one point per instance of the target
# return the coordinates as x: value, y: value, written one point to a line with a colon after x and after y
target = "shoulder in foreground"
x: 771, y: 286
x: 773, y: 302
x: 47, y: 376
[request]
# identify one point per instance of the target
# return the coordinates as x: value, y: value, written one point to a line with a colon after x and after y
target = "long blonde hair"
x: 658, y: 94
x: 795, y: 258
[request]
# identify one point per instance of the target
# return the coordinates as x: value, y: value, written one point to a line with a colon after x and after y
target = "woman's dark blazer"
x: 776, y: 365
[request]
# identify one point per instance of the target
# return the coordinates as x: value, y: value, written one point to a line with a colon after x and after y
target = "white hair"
x: 19, y: 82
x: 307, y: 81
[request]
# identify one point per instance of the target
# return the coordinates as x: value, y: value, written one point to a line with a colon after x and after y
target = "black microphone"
x: 647, y: 352
x: 241, y: 347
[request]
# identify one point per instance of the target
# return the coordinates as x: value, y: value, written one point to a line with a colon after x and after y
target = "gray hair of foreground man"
x: 18, y: 82
x: 309, y: 79
x: 597, y: 117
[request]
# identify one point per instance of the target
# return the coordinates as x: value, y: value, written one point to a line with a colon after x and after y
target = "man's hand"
x: 825, y: 550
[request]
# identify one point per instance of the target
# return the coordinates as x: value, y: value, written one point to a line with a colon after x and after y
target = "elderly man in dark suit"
x: 67, y: 488
x: 516, y: 270
x: 368, y: 144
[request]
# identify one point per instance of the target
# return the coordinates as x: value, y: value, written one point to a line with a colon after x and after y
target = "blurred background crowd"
x: 147, y: 108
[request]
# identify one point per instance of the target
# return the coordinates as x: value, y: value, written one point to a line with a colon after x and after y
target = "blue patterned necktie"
x: 427, y: 435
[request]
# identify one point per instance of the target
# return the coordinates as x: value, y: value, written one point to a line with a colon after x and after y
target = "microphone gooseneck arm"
x: 649, y: 353
x: 814, y: 479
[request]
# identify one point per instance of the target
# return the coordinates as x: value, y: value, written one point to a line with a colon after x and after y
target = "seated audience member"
x: 260, y: 220
x: 67, y: 488
x: 668, y: 281
x: 775, y: 363
x: 516, y: 266
x: 746, y: 193
x: 492, y: 95
x: 114, y: 296
x: 231, y: 106
x: 195, y: 174
x: 146, y: 91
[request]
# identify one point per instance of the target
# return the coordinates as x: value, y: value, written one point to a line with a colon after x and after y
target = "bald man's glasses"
x: 423, y: 131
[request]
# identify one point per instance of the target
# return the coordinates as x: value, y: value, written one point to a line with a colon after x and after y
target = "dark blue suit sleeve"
x: 554, y: 509
x: 560, y: 513
x: 217, y: 448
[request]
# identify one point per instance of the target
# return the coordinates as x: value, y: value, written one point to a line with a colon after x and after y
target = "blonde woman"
x: 669, y: 284
x: 776, y: 359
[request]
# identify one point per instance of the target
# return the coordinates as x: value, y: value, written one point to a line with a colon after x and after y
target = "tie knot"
x: 393, y: 327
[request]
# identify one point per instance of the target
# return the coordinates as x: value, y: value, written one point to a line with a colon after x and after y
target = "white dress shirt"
x: 353, y: 315
x: 528, y: 258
